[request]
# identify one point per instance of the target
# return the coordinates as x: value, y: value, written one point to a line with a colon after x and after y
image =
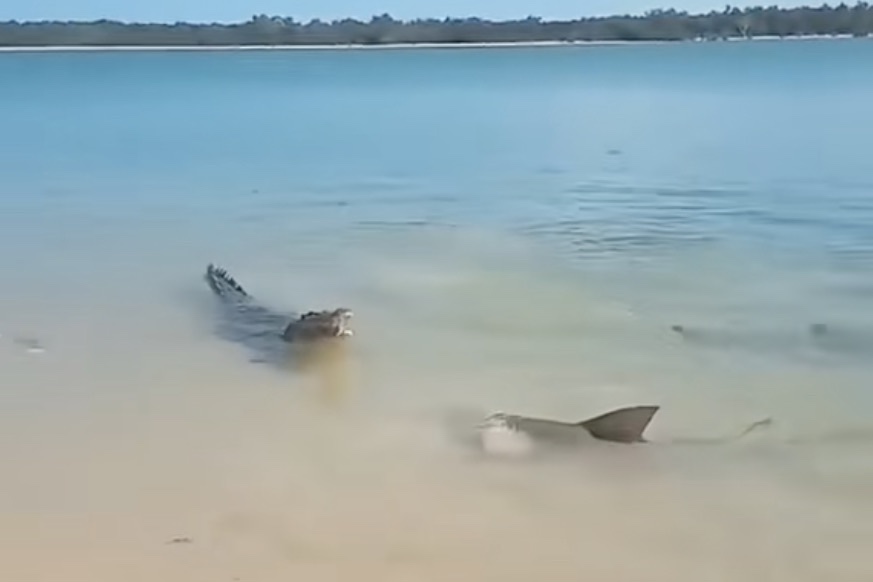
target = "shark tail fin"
x: 762, y: 423
x: 625, y: 425
x: 222, y: 284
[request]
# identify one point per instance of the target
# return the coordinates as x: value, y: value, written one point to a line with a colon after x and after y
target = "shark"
x: 518, y: 435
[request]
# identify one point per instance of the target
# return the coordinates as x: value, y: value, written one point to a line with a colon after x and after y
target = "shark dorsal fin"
x: 625, y: 425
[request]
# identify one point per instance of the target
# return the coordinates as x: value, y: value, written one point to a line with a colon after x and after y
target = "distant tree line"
x: 660, y: 25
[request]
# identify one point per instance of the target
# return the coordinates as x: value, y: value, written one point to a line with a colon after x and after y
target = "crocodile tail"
x: 222, y: 284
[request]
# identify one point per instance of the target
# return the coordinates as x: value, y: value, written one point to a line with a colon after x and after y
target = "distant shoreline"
x: 329, y: 47
x: 395, y: 46
x: 383, y: 32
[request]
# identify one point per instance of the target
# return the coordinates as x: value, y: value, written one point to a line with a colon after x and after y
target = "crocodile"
x: 245, y: 320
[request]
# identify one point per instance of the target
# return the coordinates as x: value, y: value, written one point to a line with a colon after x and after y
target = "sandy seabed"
x: 166, y: 455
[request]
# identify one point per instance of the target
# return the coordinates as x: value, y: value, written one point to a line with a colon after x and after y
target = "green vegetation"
x: 266, y: 30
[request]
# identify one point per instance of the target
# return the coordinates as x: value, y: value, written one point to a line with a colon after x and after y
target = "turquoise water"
x: 515, y: 229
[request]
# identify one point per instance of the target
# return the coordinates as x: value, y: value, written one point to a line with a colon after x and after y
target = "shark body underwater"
x: 517, y: 435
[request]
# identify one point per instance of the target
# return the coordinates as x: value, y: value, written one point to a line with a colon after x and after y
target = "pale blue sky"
x: 236, y: 10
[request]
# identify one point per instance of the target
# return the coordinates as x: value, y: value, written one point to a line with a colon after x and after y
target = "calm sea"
x: 516, y: 229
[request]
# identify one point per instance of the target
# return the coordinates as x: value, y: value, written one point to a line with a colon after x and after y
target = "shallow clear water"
x: 515, y: 229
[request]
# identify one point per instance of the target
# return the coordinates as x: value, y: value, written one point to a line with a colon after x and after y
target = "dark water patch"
x: 623, y: 203
x: 362, y: 185
x: 856, y: 289
x: 379, y: 185
x: 396, y: 224
x: 595, y: 237
x: 852, y: 250
x: 801, y: 221
x: 608, y: 189
x: 838, y: 436
x: 320, y: 203
x: 639, y: 241
x: 551, y: 170
x: 742, y: 213
x: 814, y: 342
x: 702, y: 192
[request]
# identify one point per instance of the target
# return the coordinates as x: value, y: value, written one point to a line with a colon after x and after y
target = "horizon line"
x: 276, y: 17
